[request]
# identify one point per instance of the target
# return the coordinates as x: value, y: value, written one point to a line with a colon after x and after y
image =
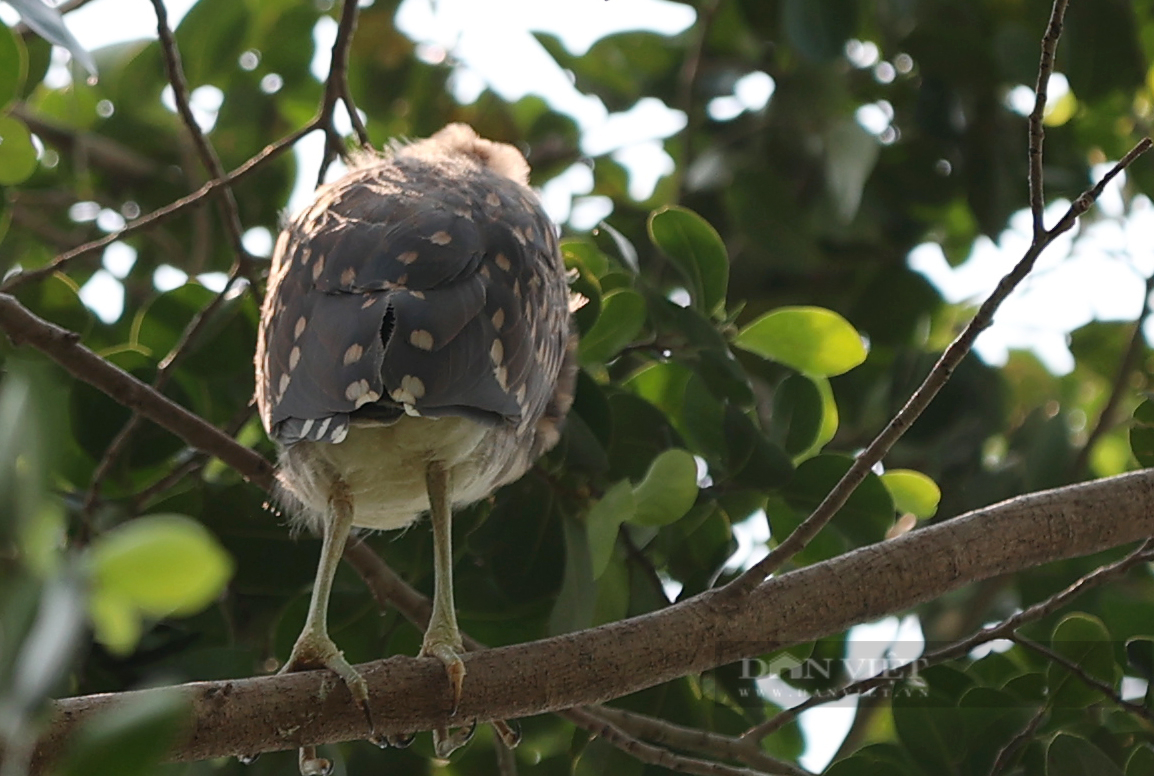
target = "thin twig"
x: 1086, y: 678
x: 651, y: 755
x: 1121, y: 382
x: 337, y: 89
x: 230, y: 213
x: 1037, y: 128
x: 339, y: 69
x: 63, y: 346
x: 660, y: 731
x: 160, y: 214
x: 1007, y: 752
x: 1002, y: 630
x: 187, y: 467
x: 164, y: 372
x: 925, y: 393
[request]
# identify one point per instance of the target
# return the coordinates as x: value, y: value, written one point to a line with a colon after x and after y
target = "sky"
x: 489, y: 44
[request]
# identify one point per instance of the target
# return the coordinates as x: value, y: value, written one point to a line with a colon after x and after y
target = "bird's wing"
x: 403, y: 289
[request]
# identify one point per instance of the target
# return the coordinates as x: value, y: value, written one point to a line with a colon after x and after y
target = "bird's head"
x: 461, y: 140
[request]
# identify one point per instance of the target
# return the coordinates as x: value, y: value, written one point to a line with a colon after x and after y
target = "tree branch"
x: 925, y: 393
x: 1003, y: 630
x: 282, y: 712
x: 64, y: 347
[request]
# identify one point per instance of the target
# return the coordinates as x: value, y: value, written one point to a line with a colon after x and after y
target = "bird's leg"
x: 314, y: 648
x: 442, y: 637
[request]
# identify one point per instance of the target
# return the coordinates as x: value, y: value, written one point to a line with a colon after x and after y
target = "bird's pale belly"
x: 384, y: 468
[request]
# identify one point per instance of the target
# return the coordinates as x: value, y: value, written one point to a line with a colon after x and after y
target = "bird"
x: 415, y: 352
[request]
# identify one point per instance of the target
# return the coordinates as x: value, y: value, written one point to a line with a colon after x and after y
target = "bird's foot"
x: 311, y: 765
x: 445, y: 645
x: 508, y: 732
x: 446, y: 741
x: 448, y: 651
x: 315, y: 649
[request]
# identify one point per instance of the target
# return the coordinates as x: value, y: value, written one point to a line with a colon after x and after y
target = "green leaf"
x: 797, y: 414
x: 573, y: 609
x: 13, y: 65
x: 46, y: 22
x: 154, y: 566
x: 696, y: 249
x: 621, y: 319
x: 868, y: 512
x: 668, y: 490
x: 603, y: 522
x: 912, y: 492
x: 1142, y: 433
x: 1141, y: 761
x: 17, y: 154
x: 812, y: 340
x: 1070, y: 755
x: 1083, y: 640
x: 928, y: 725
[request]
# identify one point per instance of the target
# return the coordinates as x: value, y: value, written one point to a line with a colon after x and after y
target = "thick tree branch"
x: 1003, y: 630
x: 282, y: 712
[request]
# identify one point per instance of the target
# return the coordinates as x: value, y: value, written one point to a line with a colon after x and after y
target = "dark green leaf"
x: 621, y: 320
x: 13, y: 66
x: 1142, y: 433
x: 1083, y: 640
x: 1069, y: 755
x: 866, y: 515
x: 797, y: 414
x: 819, y: 28
x: 696, y: 249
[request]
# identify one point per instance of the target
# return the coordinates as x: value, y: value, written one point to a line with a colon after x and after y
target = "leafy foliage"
x: 726, y: 375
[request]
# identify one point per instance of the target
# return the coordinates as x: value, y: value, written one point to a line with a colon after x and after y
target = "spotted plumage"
x: 425, y: 283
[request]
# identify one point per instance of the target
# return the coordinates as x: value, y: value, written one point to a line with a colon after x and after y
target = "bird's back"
x: 425, y: 284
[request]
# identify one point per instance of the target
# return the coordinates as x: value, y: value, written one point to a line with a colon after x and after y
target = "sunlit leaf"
x: 812, y: 340
x: 17, y: 154
x: 604, y: 520
x: 668, y: 490
x: 912, y: 492
x: 162, y: 565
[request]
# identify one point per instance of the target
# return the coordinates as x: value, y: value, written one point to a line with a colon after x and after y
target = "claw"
x: 317, y: 650
x: 401, y: 740
x: 314, y: 649
x: 448, y: 654
x: 446, y: 742
x: 508, y: 732
x: 311, y: 765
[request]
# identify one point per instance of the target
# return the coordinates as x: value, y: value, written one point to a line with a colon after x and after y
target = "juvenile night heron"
x: 414, y: 354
